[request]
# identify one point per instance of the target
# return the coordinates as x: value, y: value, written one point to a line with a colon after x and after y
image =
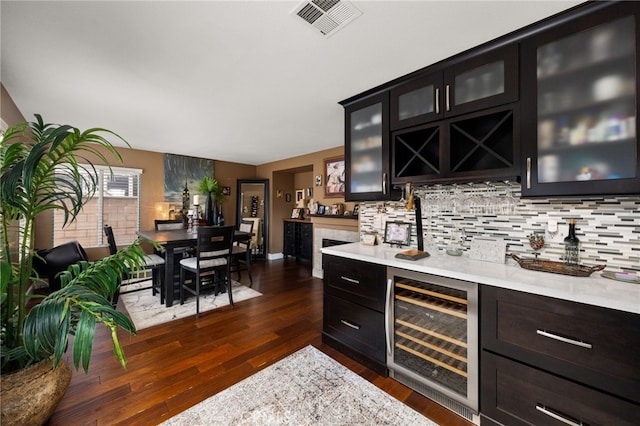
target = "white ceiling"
x: 240, y: 81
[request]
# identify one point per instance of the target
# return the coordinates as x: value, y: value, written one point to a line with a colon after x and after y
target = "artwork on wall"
x: 226, y: 190
x: 179, y: 169
x: 335, y: 181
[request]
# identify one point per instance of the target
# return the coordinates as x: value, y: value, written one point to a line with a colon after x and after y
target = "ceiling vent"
x: 327, y: 16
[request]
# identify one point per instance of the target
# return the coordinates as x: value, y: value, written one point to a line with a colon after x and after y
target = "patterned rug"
x: 306, y: 388
x: 146, y: 310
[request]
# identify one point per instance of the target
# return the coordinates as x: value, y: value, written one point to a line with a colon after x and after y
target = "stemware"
x: 536, y: 242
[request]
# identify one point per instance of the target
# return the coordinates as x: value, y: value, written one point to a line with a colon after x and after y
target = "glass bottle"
x: 572, y: 246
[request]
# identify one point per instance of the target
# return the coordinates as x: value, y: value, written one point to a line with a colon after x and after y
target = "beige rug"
x: 306, y: 388
x: 146, y: 310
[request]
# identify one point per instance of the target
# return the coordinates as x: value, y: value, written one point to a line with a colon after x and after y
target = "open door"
x: 253, y: 204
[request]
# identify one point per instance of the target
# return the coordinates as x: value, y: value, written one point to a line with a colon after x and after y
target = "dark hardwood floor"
x: 174, y: 366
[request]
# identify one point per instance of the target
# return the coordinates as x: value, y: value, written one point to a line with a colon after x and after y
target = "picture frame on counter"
x: 297, y: 213
x: 397, y: 233
x: 356, y: 210
x: 321, y: 209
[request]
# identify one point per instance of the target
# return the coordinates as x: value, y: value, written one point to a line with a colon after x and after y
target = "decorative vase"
x: 209, y: 211
x: 30, y: 396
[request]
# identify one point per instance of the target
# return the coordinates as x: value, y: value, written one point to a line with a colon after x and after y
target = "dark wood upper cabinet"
x: 580, y: 79
x: 367, y: 149
x: 483, y: 81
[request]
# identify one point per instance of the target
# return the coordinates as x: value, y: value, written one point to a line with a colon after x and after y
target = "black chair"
x: 49, y: 263
x: 153, y: 262
x: 211, y: 265
x: 168, y: 224
x: 242, y: 252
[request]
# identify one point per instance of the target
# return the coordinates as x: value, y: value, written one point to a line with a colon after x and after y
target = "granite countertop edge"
x: 593, y: 290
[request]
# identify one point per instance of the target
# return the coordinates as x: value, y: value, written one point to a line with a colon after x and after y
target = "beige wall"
x: 287, y: 176
x: 8, y: 110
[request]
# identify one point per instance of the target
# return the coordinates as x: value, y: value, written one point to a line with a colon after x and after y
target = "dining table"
x: 173, y: 239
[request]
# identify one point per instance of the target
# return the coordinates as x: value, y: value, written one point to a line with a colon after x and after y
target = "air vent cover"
x: 326, y: 16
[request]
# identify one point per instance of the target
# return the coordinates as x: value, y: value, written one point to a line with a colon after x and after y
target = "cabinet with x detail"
x: 471, y: 147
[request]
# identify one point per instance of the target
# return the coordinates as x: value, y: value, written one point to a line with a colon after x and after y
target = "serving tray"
x: 557, y: 267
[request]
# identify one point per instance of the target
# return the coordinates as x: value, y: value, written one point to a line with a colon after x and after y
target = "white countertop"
x: 593, y: 290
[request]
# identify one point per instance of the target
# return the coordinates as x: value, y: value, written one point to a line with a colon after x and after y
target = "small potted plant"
x: 45, y: 167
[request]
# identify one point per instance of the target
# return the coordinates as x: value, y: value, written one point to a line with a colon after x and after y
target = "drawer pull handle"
x: 564, y: 339
x: 348, y: 324
x: 350, y: 280
x: 556, y: 415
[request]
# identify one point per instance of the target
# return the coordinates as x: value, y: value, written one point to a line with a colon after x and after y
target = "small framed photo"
x: 318, y: 180
x: 299, y: 195
x: 321, y: 209
x: 226, y: 190
x: 397, y: 233
x: 279, y: 193
x: 287, y: 198
x: 295, y: 213
x: 335, y: 177
x: 356, y: 209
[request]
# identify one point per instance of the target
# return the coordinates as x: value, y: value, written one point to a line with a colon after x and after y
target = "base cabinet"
x: 353, y: 312
x: 549, y: 361
x: 298, y: 239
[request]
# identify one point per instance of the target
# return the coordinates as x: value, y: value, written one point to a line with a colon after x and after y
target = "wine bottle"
x: 572, y: 246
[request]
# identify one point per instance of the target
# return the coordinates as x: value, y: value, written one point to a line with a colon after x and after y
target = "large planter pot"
x: 30, y: 396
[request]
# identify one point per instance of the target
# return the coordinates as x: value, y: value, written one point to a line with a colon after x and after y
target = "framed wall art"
x: 334, y: 183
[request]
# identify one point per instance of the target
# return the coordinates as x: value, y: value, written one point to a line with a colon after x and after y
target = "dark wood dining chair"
x: 178, y: 253
x: 211, y: 266
x: 242, y: 252
x: 153, y: 262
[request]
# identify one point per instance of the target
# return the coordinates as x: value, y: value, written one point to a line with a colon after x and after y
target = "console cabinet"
x: 353, y: 316
x: 298, y: 239
x: 550, y: 361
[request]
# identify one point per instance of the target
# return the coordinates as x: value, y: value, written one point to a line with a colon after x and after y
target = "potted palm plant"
x: 46, y: 167
x: 212, y: 189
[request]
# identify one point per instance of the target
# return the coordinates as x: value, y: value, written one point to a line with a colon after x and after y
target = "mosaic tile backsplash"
x: 608, y: 227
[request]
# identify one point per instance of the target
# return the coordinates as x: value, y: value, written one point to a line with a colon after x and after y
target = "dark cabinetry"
x: 353, y: 317
x: 549, y: 361
x: 367, y: 149
x: 298, y: 239
x: 580, y: 80
x: 482, y: 81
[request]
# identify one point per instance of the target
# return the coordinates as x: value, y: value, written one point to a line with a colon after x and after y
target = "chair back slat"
x: 168, y: 224
x: 111, y: 240
x: 214, y: 242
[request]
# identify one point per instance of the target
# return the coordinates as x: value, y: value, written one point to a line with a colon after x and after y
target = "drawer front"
x: 361, y: 282
x: 515, y: 394
x: 355, y: 326
x: 593, y: 345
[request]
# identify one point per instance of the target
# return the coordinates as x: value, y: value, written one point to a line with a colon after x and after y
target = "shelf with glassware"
x: 580, y: 136
x: 474, y: 147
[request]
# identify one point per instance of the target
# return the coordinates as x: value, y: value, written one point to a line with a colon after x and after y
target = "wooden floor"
x: 174, y: 366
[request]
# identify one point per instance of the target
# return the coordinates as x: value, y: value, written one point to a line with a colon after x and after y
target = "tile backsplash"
x: 608, y: 227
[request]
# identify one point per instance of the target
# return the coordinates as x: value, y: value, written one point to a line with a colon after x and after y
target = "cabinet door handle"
x: 557, y: 415
x: 446, y: 100
x: 564, y: 339
x: 528, y: 172
x: 348, y: 324
x: 437, y: 101
x: 387, y: 317
x: 351, y: 280
x: 384, y: 183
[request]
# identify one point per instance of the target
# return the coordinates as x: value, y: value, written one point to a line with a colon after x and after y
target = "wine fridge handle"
x: 387, y: 316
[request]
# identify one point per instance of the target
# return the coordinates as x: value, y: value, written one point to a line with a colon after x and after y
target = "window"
x: 115, y: 203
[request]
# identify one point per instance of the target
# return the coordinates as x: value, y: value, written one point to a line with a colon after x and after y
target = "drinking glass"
x: 536, y: 242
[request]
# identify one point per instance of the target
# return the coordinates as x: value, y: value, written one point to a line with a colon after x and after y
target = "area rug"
x: 306, y: 388
x: 146, y: 310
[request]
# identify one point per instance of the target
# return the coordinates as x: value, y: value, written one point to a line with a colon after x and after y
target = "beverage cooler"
x: 432, y: 337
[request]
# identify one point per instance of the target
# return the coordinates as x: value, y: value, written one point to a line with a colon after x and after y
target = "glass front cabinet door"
x: 367, y: 149
x: 580, y: 82
x: 482, y: 81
